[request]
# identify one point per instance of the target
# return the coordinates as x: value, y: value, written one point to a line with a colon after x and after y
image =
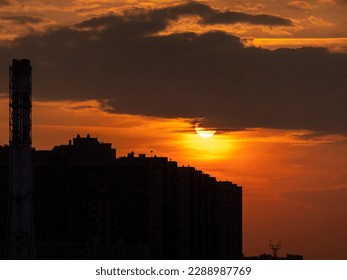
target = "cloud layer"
x: 120, y: 61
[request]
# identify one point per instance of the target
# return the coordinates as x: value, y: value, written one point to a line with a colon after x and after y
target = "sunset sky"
x: 269, y: 76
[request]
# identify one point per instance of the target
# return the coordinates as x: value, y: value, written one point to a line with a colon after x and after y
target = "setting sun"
x: 204, y: 132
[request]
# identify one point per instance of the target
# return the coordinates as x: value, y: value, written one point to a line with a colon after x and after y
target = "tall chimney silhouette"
x: 20, y: 229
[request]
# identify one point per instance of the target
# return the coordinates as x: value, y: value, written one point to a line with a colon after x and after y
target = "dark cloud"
x: 23, y: 19
x: 104, y: 22
x: 77, y: 108
x: 210, y: 76
x: 208, y: 16
x: 235, y: 17
x: 312, y: 136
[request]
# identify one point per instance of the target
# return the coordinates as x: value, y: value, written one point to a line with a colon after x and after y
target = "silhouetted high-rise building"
x: 228, y: 206
x: 88, y: 204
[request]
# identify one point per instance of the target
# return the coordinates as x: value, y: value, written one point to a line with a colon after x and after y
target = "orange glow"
x: 210, y: 149
x: 333, y: 44
x: 294, y: 180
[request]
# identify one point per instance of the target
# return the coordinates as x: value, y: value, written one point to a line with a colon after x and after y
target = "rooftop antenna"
x: 275, y: 248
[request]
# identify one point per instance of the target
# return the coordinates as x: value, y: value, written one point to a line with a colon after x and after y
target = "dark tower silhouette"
x: 275, y: 248
x: 20, y: 232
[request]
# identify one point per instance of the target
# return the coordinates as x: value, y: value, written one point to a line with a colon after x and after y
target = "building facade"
x: 88, y: 204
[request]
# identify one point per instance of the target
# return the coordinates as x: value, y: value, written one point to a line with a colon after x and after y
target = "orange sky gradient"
x: 294, y: 189
x: 294, y: 181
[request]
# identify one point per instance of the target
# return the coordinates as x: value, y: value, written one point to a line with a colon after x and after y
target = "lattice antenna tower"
x: 275, y: 248
x: 20, y: 228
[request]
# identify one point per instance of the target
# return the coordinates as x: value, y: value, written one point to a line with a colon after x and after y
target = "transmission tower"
x: 20, y: 229
x: 275, y: 248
